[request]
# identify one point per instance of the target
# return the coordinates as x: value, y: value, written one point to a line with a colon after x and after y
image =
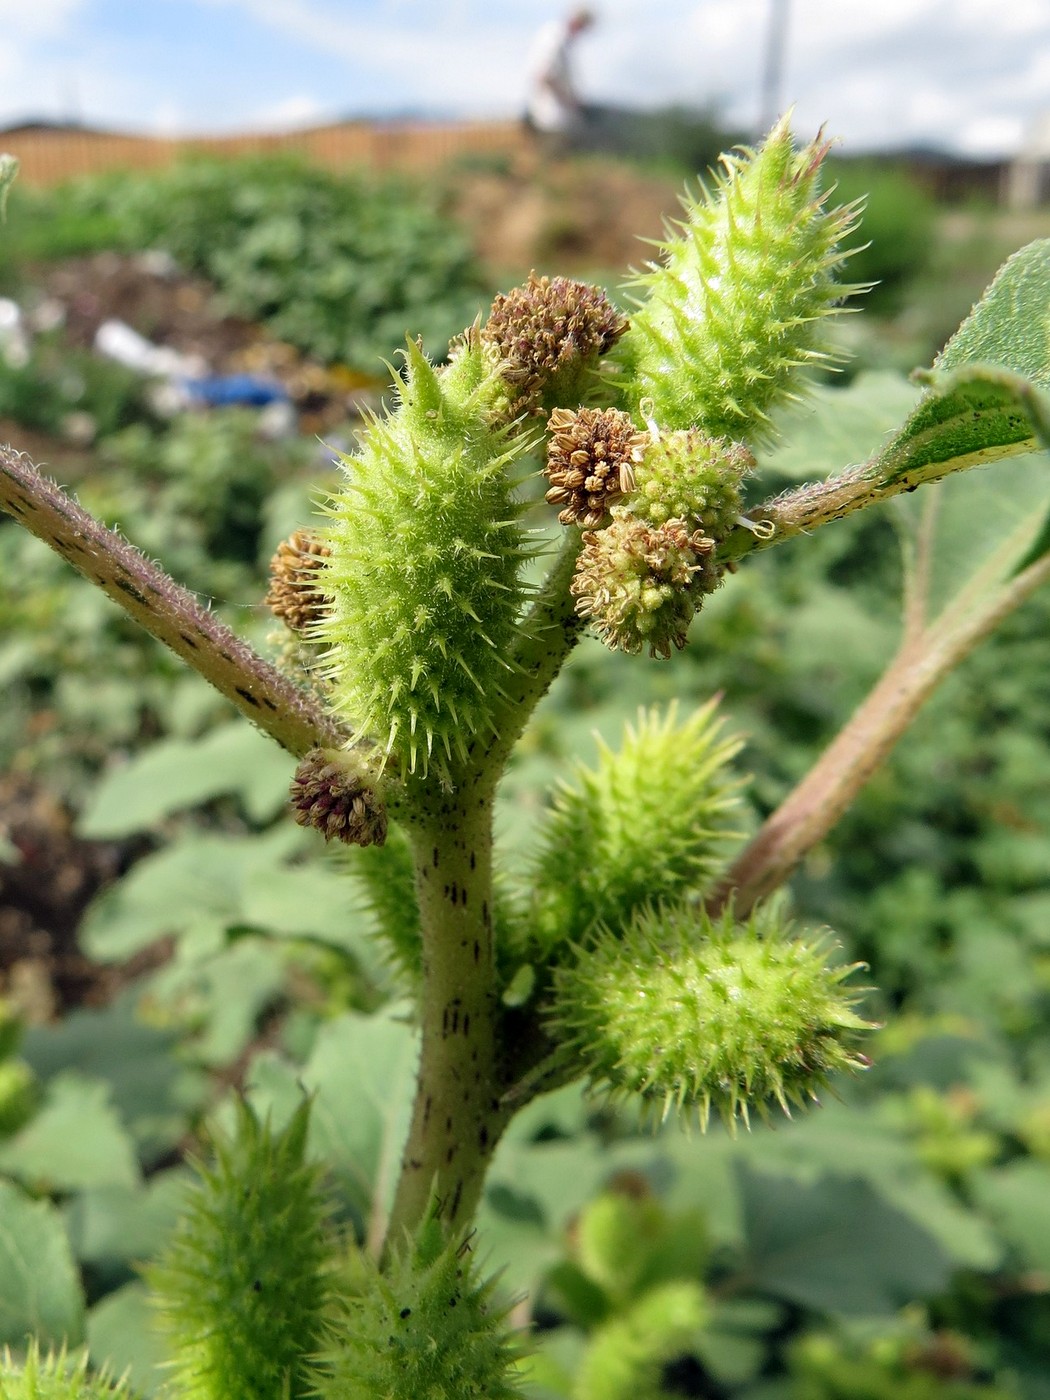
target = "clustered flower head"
x: 294, y: 595
x: 687, y: 475
x: 548, y: 337
x: 326, y: 794
x: 590, y: 462
x: 639, y: 585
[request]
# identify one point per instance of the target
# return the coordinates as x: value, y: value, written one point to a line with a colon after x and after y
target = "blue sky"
x: 969, y: 75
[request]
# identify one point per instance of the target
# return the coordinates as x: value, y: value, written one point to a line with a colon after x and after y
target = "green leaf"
x: 76, y: 1140
x: 1017, y: 1197
x: 151, y: 1091
x: 362, y: 1071
x: 837, y: 1246
x: 39, y: 1287
x: 1010, y: 325
x: 192, y: 888
x: 116, y: 1224
x: 121, y: 1334
x: 178, y: 773
x: 832, y: 426
x: 970, y: 416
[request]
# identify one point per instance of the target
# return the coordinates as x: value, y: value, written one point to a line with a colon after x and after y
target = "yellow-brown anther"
x: 293, y: 595
x: 590, y: 462
x: 327, y: 795
x: 547, y: 335
x: 640, y: 585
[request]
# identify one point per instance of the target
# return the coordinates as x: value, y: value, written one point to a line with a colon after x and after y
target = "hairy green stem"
x: 810, y: 811
x: 805, y: 509
x: 167, y: 611
x: 457, y: 1118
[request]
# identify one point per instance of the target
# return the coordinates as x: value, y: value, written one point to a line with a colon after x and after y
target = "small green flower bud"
x: 688, y: 476
x: 626, y: 1356
x: 327, y: 793
x: 426, y: 1328
x: 18, y: 1095
x: 732, y: 314
x: 294, y: 596
x: 590, y: 462
x: 548, y: 337
x: 639, y: 585
x: 684, y: 1010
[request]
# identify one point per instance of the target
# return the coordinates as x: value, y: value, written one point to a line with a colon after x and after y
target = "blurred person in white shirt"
x: 553, y: 110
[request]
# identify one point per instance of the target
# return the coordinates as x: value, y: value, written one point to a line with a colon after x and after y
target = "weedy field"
x: 172, y: 944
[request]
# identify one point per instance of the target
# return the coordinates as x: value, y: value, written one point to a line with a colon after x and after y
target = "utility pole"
x: 773, y: 68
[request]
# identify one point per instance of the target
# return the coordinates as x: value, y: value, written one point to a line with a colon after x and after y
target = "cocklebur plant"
x: 643, y: 953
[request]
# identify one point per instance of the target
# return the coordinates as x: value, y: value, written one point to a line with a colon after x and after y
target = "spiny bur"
x: 735, y: 310
x: 426, y: 1327
x: 626, y: 1356
x: 649, y: 822
x: 56, y: 1376
x: 713, y: 1014
x: 422, y: 578
x: 242, y: 1291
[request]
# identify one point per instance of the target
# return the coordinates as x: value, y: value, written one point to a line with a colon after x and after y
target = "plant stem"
x: 292, y: 716
x: 457, y: 1118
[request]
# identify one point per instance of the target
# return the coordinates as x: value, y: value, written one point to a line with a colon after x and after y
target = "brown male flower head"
x: 548, y: 336
x: 327, y: 794
x: 294, y: 596
x: 590, y: 462
x: 639, y: 585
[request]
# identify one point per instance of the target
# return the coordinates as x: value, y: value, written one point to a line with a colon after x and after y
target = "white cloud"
x: 301, y: 110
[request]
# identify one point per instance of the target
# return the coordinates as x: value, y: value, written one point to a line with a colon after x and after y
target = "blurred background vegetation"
x: 167, y: 936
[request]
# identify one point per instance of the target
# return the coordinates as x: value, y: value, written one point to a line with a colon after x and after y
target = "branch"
x: 809, y: 812
x: 167, y: 611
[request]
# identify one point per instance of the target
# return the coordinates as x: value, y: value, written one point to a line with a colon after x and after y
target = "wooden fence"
x: 51, y: 154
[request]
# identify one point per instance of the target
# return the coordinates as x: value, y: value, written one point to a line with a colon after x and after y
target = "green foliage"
x: 893, y: 245
x: 341, y: 266
x: 242, y: 1288
x: 653, y: 1263
x: 56, y: 383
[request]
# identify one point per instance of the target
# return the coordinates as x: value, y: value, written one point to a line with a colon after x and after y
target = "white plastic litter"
x: 14, y: 342
x: 119, y: 341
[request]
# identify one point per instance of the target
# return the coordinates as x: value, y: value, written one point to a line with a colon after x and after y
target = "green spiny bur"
x: 423, y: 576
x: 647, y: 824
x: 626, y: 1356
x: 733, y: 312
x: 684, y: 1010
x: 55, y: 1376
x: 242, y: 1291
x: 426, y: 1328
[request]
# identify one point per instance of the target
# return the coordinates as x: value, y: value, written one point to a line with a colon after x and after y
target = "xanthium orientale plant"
x: 642, y: 954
